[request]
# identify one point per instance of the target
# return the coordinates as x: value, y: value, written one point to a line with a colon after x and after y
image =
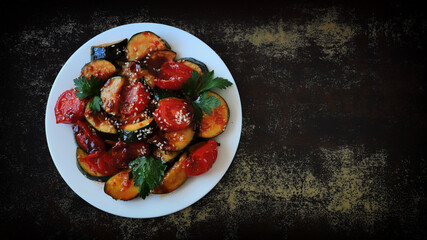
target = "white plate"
x: 62, y: 145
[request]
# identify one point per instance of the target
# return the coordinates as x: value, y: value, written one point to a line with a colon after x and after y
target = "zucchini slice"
x: 173, y: 178
x: 195, y: 64
x: 142, y: 43
x: 165, y: 156
x: 133, y: 126
x: 215, y: 123
x: 110, y: 94
x: 136, y: 131
x: 100, y: 68
x: 85, y: 168
x: 120, y: 187
x: 175, y: 140
x: 100, y: 121
x: 111, y: 51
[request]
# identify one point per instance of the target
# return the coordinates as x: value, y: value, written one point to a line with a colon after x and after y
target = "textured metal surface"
x: 334, y: 121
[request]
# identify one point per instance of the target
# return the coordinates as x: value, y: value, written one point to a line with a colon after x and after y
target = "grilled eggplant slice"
x: 110, y: 51
x: 133, y: 126
x: 215, y: 123
x: 137, y: 131
x: 173, y: 178
x: 148, y: 78
x: 86, y: 138
x: 101, y: 122
x: 110, y: 94
x: 134, y: 72
x: 155, y: 60
x: 175, y: 140
x: 195, y: 64
x: 142, y: 43
x: 121, y: 187
x: 100, y: 68
x: 86, y: 169
x: 165, y: 156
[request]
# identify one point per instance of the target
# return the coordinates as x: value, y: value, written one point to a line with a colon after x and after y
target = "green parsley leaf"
x: 199, y: 87
x: 198, y: 114
x: 147, y: 173
x: 190, y: 86
x: 209, y: 82
x: 207, y: 103
x: 87, y: 87
x: 192, y: 89
x: 96, y: 104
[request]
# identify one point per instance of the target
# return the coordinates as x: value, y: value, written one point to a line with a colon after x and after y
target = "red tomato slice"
x: 123, y: 153
x: 173, y: 114
x: 69, y: 108
x: 202, y: 159
x: 134, y: 99
x: 172, y: 75
x: 101, y: 162
x: 86, y: 138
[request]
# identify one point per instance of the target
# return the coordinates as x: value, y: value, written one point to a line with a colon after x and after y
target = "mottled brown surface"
x: 334, y: 121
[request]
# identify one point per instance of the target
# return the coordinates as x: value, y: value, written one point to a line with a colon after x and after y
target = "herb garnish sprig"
x: 87, y: 88
x: 147, y: 173
x: 196, y: 89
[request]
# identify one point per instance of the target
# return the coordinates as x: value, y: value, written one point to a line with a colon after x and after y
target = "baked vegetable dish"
x: 144, y: 120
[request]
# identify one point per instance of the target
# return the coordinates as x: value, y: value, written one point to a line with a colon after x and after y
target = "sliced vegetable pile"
x: 143, y: 120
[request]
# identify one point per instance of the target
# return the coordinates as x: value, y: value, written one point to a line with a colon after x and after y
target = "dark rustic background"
x: 334, y: 120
